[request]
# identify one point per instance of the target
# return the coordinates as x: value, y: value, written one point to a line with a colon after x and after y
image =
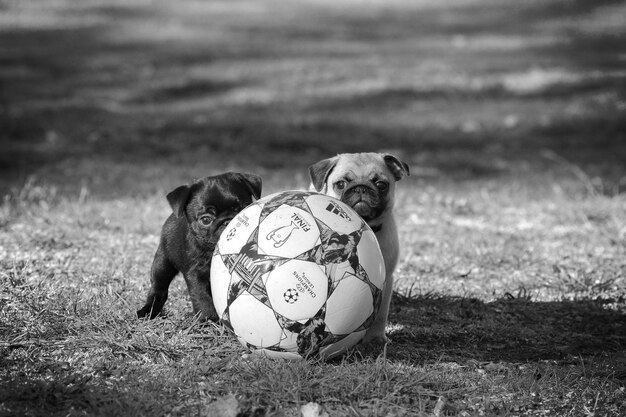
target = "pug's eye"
x: 340, y: 185
x: 382, y: 185
x: 206, y: 219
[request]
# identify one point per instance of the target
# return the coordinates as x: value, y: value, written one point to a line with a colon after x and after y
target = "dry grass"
x: 481, y: 322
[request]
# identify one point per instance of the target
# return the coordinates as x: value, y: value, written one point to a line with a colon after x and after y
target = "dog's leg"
x: 162, y: 274
x: 389, y: 245
x: 376, y: 333
x: 199, y: 286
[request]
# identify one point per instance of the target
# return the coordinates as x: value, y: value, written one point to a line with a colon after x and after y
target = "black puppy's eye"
x: 382, y: 185
x: 340, y: 185
x: 206, y: 219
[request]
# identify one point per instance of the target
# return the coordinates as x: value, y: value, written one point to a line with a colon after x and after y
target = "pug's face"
x: 364, y: 181
x: 210, y: 203
x: 211, y: 207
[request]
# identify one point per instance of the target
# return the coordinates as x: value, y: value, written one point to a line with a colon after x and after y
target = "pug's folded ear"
x: 253, y: 182
x: 320, y: 171
x: 398, y: 168
x: 179, y: 197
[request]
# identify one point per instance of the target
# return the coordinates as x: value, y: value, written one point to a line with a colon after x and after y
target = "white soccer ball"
x: 297, y: 274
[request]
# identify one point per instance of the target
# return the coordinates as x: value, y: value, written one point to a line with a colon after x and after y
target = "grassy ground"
x: 510, y: 293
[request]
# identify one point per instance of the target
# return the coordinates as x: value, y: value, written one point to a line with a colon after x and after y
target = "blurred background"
x: 134, y: 96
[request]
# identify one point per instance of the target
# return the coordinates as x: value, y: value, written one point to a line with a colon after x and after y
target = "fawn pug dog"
x: 201, y: 211
x: 367, y: 182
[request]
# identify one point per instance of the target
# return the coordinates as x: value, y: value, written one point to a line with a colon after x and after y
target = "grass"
x: 510, y: 292
x: 486, y: 325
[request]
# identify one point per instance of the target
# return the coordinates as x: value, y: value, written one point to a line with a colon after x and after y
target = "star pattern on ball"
x: 291, y: 295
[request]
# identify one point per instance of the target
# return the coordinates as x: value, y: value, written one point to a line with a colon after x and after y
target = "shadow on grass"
x: 55, y: 389
x: 61, y: 395
x: 510, y: 329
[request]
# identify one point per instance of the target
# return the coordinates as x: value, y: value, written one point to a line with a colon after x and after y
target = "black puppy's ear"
x: 178, y: 199
x: 253, y: 182
x: 320, y: 171
x: 398, y: 168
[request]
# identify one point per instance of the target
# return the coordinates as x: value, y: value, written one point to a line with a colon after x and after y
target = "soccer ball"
x: 297, y: 274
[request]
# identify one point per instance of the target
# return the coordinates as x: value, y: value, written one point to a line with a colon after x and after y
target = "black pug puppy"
x: 201, y: 212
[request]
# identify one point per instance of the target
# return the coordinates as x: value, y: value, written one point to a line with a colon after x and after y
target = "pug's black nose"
x: 360, y: 189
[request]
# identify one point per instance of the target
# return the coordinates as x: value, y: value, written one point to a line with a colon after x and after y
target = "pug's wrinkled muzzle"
x: 363, y: 200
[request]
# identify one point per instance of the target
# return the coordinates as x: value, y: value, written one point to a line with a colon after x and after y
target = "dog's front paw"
x: 206, y: 319
x: 373, y: 345
x: 206, y: 314
x: 148, y: 311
